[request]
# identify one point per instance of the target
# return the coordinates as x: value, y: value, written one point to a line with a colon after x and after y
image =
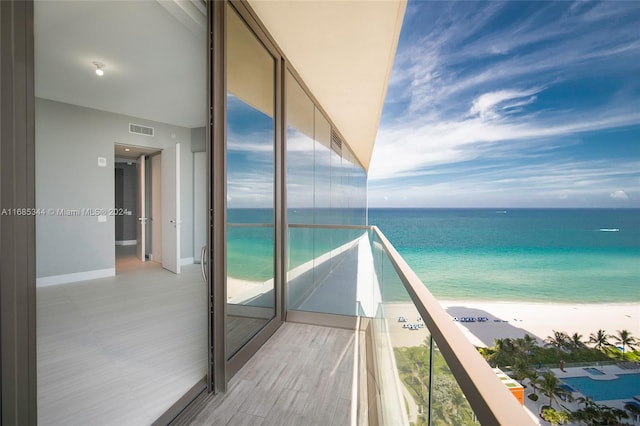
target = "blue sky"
x: 512, y: 104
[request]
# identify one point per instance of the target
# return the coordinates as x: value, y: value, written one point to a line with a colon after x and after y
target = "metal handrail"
x: 329, y: 226
x: 249, y: 225
x: 490, y: 400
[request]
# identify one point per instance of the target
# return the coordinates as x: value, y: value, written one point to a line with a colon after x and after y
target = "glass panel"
x: 325, y: 263
x: 300, y: 192
x: 121, y: 306
x: 408, y: 361
x: 336, y: 216
x: 322, y: 169
x: 250, y: 184
x: 448, y: 404
x: 322, y: 243
x: 401, y: 345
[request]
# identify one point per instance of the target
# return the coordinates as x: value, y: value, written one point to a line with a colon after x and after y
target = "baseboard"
x: 126, y: 242
x: 77, y: 276
x: 186, y: 261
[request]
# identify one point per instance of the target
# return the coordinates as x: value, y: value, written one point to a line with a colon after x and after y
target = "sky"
x: 512, y: 104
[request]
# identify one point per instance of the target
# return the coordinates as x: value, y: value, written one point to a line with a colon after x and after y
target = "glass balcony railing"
x: 416, y: 367
x: 323, y: 268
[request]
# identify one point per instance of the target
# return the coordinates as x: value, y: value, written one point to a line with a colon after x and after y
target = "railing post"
x: 430, y: 402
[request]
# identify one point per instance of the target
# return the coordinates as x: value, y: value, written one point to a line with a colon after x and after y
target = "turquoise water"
x: 625, y: 386
x: 594, y: 371
x: 250, y: 238
x: 562, y: 255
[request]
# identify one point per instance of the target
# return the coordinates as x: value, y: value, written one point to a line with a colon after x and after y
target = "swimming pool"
x: 594, y: 371
x: 625, y: 386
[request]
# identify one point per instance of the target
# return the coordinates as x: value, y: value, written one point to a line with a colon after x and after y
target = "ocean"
x: 544, y: 255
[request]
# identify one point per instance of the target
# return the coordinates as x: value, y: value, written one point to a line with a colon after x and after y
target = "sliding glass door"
x: 251, y: 131
x: 120, y: 116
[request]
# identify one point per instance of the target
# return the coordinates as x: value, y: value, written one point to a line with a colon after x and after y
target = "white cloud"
x: 490, y: 105
x: 408, y: 148
x: 619, y: 195
x: 452, y: 54
x: 471, y: 103
x: 544, y: 184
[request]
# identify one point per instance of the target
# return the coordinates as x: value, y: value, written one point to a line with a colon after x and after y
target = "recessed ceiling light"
x: 127, y: 149
x: 99, y: 66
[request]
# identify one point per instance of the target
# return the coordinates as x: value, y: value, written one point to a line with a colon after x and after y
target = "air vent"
x: 140, y: 130
x: 336, y: 142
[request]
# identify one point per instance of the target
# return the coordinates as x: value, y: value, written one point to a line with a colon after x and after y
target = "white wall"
x: 69, y: 140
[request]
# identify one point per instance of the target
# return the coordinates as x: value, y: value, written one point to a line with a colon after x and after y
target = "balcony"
x: 365, y: 342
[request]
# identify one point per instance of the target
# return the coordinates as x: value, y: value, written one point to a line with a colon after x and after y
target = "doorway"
x: 147, y: 206
x: 137, y: 202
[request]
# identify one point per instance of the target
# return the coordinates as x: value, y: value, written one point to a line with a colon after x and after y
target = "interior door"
x: 170, y: 164
x: 156, y: 207
x: 140, y: 208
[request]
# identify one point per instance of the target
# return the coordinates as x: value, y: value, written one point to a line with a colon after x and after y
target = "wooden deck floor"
x: 302, y: 376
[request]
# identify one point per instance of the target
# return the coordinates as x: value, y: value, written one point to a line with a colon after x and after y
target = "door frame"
x: 146, y: 152
x: 141, y: 210
x: 222, y: 369
x: 216, y: 149
x: 18, y: 362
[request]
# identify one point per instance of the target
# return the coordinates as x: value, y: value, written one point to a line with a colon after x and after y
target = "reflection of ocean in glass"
x: 250, y: 253
x: 250, y: 248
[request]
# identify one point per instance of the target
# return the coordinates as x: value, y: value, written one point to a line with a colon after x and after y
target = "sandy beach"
x: 514, y: 319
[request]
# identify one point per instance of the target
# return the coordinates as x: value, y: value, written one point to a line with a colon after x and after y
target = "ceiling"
x: 153, y: 56
x: 122, y: 155
x: 344, y: 51
x: 155, y: 66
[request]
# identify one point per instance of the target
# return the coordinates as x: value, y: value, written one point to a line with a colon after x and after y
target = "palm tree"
x: 551, y: 387
x: 576, y: 341
x: 586, y: 413
x: 597, y: 414
x: 521, y: 369
x: 534, y: 381
x: 526, y: 344
x: 625, y: 338
x: 504, y: 350
x: 633, y: 409
x: 559, y: 340
x: 599, y: 340
x: 615, y: 415
x: 505, y: 344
